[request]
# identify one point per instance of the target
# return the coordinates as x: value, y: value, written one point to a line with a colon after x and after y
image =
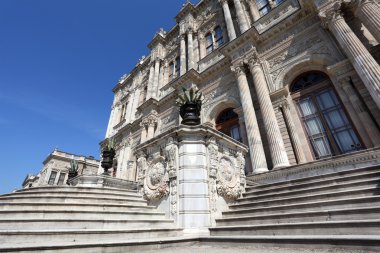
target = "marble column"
x: 369, y: 13
x: 243, y: 135
x: 228, y: 19
x: 129, y: 107
x: 143, y: 133
x: 256, y: 148
x: 243, y: 24
x: 190, y: 50
x: 165, y: 75
x: 183, y: 54
x: 202, y: 46
x: 364, y: 63
x: 150, y: 83
x: 151, y: 126
x: 135, y: 104
x: 275, y: 141
x: 296, y: 142
x: 196, y: 51
x: 156, y: 78
x: 364, y: 119
x: 254, y: 10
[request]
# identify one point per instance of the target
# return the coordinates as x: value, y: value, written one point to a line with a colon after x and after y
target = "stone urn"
x: 190, y: 113
x: 107, y: 161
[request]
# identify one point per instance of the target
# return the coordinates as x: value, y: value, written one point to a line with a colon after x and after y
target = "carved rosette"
x: 228, y: 179
x: 156, y: 179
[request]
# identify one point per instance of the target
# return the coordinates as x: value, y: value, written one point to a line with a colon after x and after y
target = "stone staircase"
x: 42, y: 217
x: 338, y: 208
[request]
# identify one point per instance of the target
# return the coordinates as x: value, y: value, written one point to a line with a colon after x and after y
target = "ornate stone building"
x: 295, y: 81
x: 56, y: 169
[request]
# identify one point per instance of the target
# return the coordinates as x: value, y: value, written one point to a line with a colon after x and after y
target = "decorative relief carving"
x: 171, y: 153
x: 156, y: 179
x: 228, y: 179
x: 141, y: 167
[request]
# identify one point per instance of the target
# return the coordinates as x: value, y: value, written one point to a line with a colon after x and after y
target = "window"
x: 171, y: 71
x: 278, y: 2
x: 218, y: 36
x: 263, y: 6
x: 61, y: 178
x: 177, y: 66
x: 228, y: 123
x: 53, y: 175
x: 326, y: 124
x: 209, y: 43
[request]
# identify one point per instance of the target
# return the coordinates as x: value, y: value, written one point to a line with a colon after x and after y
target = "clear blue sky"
x: 59, y: 60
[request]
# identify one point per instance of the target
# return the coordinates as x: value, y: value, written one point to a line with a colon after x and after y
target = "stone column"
x: 365, y: 65
x: 297, y: 146
x: 369, y: 13
x: 256, y: 148
x: 151, y: 126
x: 150, y: 83
x: 135, y: 104
x: 156, y: 78
x: 275, y: 141
x: 196, y: 52
x: 143, y: 133
x: 165, y: 75
x: 183, y: 54
x: 202, y: 46
x: 243, y: 135
x: 243, y: 25
x: 364, y: 119
x: 190, y: 50
x: 254, y: 10
x: 129, y: 107
x: 228, y: 19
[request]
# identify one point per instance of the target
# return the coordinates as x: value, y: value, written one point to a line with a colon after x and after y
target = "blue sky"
x: 59, y: 60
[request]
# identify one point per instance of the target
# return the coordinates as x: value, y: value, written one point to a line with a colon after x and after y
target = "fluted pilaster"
x: 365, y: 65
x: 228, y: 19
x: 257, y: 154
x: 182, y: 54
x: 190, y: 50
x: 243, y: 24
x: 276, y: 143
x: 297, y: 146
x: 150, y: 83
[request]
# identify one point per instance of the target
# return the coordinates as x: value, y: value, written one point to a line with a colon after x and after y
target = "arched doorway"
x: 227, y: 122
x: 325, y: 122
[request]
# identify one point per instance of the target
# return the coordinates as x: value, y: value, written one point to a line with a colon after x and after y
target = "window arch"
x: 325, y: 122
x: 227, y: 122
x: 209, y: 43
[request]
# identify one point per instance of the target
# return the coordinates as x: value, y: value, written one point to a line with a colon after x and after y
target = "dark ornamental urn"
x: 107, y: 161
x: 190, y: 113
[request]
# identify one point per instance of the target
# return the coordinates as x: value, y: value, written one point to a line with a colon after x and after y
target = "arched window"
x: 209, y: 43
x: 228, y: 123
x: 325, y: 122
x: 218, y: 36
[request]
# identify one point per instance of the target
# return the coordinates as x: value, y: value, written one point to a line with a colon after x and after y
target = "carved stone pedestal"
x: 191, y: 173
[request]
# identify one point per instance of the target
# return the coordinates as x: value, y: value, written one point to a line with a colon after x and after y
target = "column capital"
x: 223, y: 1
x: 331, y: 15
x: 253, y: 59
x: 238, y: 69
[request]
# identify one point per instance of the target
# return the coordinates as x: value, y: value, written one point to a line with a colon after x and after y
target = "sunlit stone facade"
x: 293, y: 81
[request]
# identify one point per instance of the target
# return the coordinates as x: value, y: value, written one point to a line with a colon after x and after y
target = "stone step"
x: 312, y: 179
x: 325, y: 184
x: 69, y: 214
x: 309, y: 216
x: 79, y: 189
x: 344, y: 227
x: 30, y: 237
x: 72, y: 199
x: 82, y: 194
x: 360, y: 192
x: 322, y: 205
x: 27, y: 206
x: 44, y: 224
x: 212, y: 244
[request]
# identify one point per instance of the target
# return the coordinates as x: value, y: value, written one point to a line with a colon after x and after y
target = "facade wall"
x: 265, y: 53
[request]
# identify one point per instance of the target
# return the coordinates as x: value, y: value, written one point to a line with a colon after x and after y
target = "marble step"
x: 212, y: 244
x: 44, y: 224
x: 35, y: 237
x: 310, y: 205
x: 82, y: 194
x: 312, y: 179
x: 59, y: 206
x: 359, y: 192
x: 304, y: 187
x: 69, y: 214
x: 303, y: 216
x: 79, y: 189
x: 72, y: 199
x: 344, y: 227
